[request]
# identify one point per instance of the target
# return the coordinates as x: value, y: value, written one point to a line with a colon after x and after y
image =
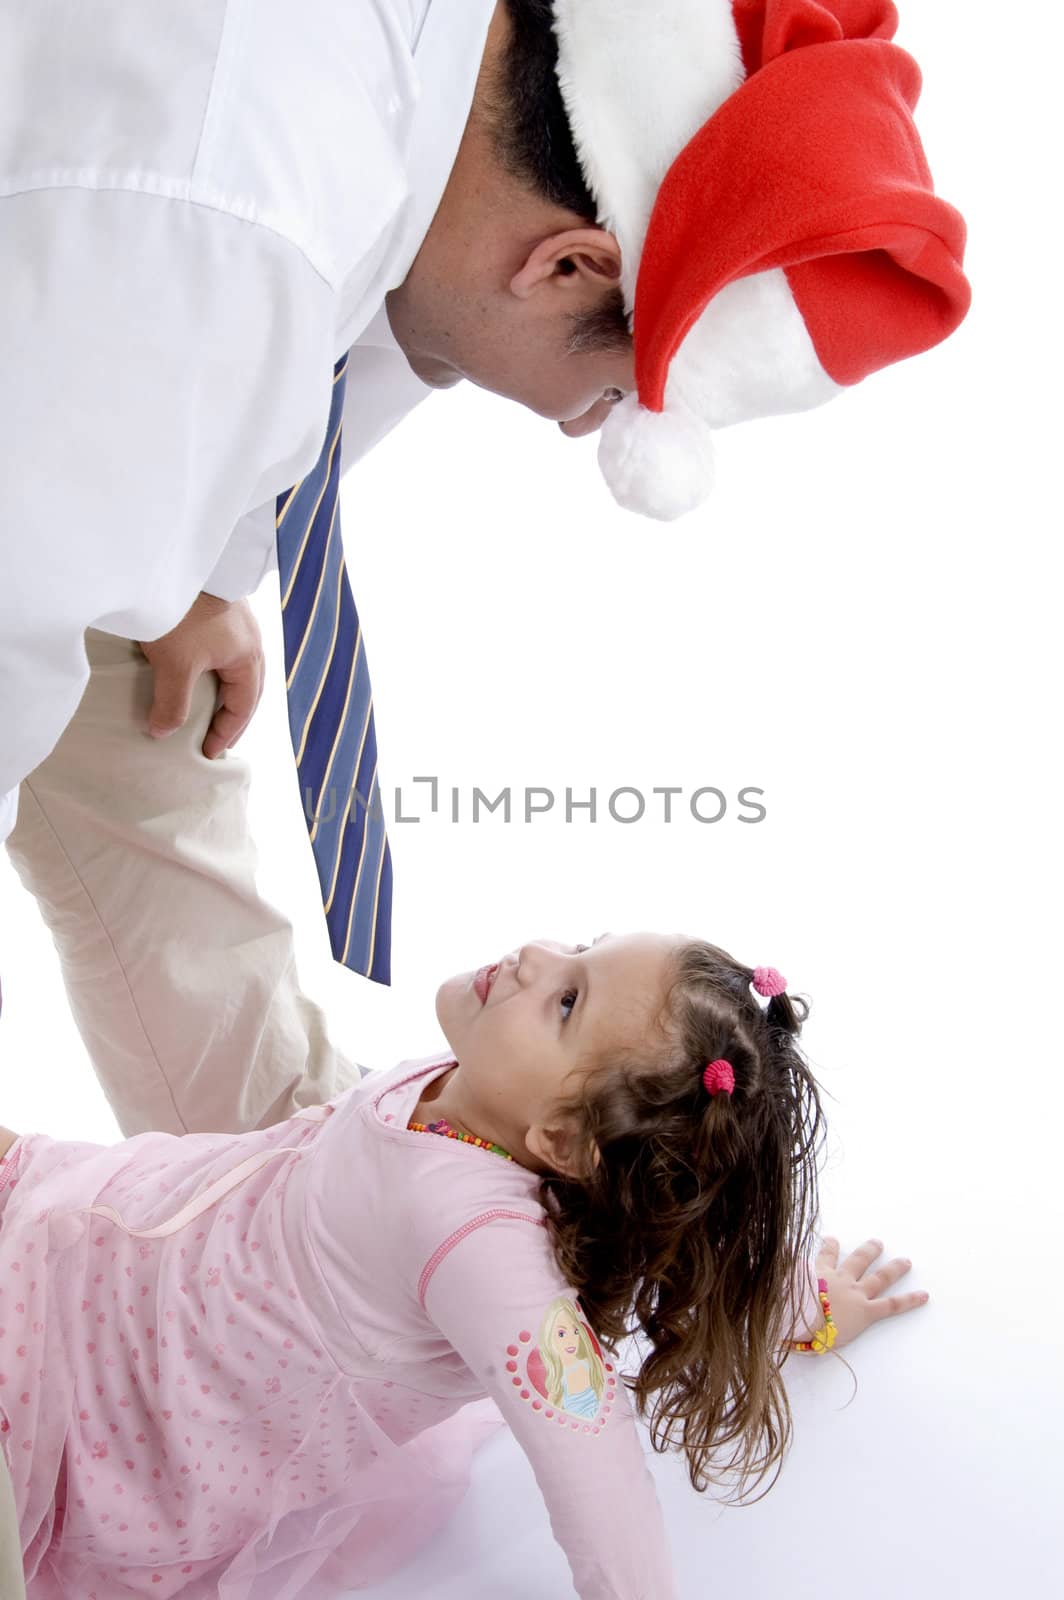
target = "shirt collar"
x: 447, y: 54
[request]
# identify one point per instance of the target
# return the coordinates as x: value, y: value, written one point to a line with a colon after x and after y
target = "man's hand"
x: 853, y: 1291
x: 215, y: 635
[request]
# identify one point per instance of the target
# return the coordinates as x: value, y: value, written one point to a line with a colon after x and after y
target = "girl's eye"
x: 569, y: 999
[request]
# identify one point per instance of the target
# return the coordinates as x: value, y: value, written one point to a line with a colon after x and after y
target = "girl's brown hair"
x: 693, y: 1220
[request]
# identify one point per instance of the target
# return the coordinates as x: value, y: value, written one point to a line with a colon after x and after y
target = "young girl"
x: 240, y: 1365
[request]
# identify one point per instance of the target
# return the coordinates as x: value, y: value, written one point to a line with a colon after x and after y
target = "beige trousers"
x: 181, y: 978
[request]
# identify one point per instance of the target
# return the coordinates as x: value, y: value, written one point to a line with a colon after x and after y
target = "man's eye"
x: 569, y: 999
x: 579, y: 949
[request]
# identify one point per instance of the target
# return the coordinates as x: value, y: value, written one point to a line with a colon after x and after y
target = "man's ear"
x: 557, y: 1147
x: 587, y: 255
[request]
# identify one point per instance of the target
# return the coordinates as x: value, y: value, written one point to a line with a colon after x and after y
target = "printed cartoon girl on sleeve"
x: 497, y: 1296
x: 567, y: 1366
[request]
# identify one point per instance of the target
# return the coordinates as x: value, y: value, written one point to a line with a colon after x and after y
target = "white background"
x: 861, y: 624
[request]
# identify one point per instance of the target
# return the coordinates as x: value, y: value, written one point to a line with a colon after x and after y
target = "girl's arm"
x: 497, y: 1297
x: 7, y: 1139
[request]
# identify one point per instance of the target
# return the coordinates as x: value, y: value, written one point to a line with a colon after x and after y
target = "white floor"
x: 931, y: 1483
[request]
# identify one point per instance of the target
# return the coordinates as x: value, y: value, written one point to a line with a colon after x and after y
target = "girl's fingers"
x: 877, y: 1281
x: 828, y: 1254
x: 895, y: 1304
x: 859, y: 1260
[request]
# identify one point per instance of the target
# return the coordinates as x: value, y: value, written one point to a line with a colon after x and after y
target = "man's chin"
x: 590, y: 421
x: 437, y: 375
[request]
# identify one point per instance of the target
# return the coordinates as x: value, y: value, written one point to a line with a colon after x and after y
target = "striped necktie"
x: 330, y: 712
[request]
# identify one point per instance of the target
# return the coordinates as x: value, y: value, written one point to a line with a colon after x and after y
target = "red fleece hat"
x: 781, y: 238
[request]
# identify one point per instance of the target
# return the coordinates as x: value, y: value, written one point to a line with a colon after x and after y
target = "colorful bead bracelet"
x: 823, y: 1340
x: 443, y: 1127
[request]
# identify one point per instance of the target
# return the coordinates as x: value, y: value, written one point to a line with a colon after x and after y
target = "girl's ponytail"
x: 696, y: 1210
x: 785, y: 1014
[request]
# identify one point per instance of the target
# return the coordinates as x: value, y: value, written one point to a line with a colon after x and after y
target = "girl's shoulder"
x: 442, y: 1185
x: 474, y: 1221
x: 449, y: 1185
x: 393, y: 1092
x: 406, y: 1192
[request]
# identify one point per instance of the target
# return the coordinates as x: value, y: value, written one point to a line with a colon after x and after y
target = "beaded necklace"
x: 444, y: 1129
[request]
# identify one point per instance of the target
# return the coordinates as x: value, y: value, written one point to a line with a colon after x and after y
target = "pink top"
x: 267, y: 1382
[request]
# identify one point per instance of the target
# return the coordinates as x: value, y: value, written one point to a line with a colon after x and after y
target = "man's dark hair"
x: 532, y: 139
x: 530, y: 124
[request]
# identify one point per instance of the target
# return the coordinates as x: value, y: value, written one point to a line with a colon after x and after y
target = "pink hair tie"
x: 717, y: 1076
x: 768, y: 982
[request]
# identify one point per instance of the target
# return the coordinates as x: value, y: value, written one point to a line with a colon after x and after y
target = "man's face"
x: 574, y: 390
x: 522, y: 334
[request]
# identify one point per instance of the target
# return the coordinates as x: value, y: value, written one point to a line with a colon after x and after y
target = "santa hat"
x: 780, y: 235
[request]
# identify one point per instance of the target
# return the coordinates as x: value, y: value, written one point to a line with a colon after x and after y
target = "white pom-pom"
x: 658, y: 463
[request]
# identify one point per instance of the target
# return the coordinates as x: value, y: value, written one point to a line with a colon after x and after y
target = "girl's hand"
x: 853, y: 1291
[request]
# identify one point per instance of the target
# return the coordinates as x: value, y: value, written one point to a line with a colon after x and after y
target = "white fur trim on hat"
x: 749, y: 355
x: 639, y: 78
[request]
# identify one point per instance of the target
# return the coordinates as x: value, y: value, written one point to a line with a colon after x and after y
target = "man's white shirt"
x: 201, y: 208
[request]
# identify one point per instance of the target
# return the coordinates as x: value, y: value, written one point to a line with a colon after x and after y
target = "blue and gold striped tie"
x: 330, y: 712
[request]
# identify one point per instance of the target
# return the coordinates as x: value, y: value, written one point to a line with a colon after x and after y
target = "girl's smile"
x: 483, y: 980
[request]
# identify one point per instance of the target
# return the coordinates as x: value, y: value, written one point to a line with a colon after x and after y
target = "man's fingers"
x: 240, y: 690
x: 239, y: 696
x: 224, y: 730
x: 171, y: 699
x: 217, y: 636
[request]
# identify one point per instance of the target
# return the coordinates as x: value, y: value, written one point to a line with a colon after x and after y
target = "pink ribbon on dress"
x: 218, y: 1189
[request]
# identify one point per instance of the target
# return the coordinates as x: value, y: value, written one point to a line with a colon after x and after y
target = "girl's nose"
x: 534, y: 959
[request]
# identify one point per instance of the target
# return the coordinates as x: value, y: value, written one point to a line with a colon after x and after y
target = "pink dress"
x: 247, y: 1371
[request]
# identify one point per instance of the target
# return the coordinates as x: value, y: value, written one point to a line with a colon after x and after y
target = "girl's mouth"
x: 484, y: 979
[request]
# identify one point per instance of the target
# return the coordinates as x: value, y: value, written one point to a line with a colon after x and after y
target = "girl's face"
x: 523, y: 1029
